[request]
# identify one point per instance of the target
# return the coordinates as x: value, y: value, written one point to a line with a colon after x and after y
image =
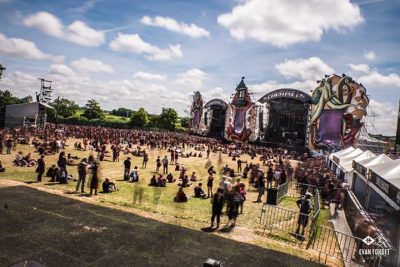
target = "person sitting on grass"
x: 170, y: 178
x: 1, y: 167
x: 226, y: 169
x: 181, y: 196
x: 193, y: 177
x: 134, y: 175
x: 185, y: 181
x: 108, y: 186
x: 161, y: 182
x: 198, y: 192
x: 153, y: 181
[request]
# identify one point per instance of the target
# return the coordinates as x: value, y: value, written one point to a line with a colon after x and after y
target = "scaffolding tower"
x: 43, y: 97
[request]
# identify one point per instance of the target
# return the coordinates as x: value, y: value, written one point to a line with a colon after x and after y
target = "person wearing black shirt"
x: 108, y: 186
x: 260, y: 185
x: 304, y: 205
x: 127, y: 168
x: 41, y: 165
x: 198, y: 191
x: 217, y: 206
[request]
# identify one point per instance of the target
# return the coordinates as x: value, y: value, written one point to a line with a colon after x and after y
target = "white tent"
x: 369, y: 162
x: 355, y: 153
x: 386, y: 177
x: 343, y: 151
x: 346, y: 165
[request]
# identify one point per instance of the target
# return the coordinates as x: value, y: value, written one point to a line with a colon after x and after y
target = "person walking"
x: 41, y: 166
x: 82, y: 175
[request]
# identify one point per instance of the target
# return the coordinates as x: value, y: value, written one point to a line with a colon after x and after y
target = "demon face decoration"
x: 196, y: 111
x: 339, y: 105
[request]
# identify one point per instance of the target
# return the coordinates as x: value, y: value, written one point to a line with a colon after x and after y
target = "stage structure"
x: 30, y: 114
x: 284, y: 117
x: 214, y: 118
x: 338, y: 107
x: 196, y: 113
x: 241, y: 116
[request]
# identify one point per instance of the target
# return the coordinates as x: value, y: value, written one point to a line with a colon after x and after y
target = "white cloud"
x: 312, y: 68
x: 60, y: 69
x: 191, y: 30
x: 359, y: 68
x: 217, y: 92
x: 376, y: 79
x: 77, y: 32
x: 135, y: 44
x: 25, y: 49
x: 86, y: 65
x: 384, y: 116
x: 285, y: 22
x: 369, y: 55
x: 261, y: 89
x: 149, y: 76
x: 192, y: 78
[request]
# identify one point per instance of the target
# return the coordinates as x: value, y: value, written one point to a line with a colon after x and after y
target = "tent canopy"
x: 353, y: 154
x: 389, y: 171
x: 369, y: 162
x: 347, y: 163
x: 341, y: 152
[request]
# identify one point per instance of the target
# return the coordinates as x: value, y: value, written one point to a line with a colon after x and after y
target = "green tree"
x: 139, y: 118
x: 64, y: 107
x: 185, y: 122
x: 7, y: 98
x: 123, y: 112
x: 93, y: 110
x: 168, y: 118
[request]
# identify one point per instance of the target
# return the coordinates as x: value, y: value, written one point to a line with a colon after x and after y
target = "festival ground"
x: 153, y: 209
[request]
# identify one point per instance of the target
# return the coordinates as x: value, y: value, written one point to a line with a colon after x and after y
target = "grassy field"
x: 157, y: 202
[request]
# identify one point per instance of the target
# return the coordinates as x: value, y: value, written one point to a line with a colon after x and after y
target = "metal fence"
x: 282, y: 191
x: 287, y: 220
x: 331, y: 243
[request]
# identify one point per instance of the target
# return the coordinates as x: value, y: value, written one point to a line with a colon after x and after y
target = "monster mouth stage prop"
x: 339, y: 105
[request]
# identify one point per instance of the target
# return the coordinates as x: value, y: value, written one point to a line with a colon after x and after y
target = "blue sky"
x: 157, y: 53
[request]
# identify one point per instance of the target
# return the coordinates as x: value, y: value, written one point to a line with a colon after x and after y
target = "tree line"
x: 68, y: 111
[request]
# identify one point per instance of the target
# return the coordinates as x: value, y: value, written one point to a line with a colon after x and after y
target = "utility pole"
x: 397, y: 142
x: 58, y: 103
x: 1, y: 70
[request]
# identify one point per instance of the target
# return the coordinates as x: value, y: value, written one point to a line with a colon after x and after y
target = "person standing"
x: 127, y: 168
x: 145, y: 159
x: 62, y: 168
x: 210, y: 182
x: 41, y: 166
x: 94, y: 183
x: 158, y: 164
x: 260, y: 186
x: 304, y: 205
x: 82, y: 175
x: 217, y: 206
x: 165, y: 165
x: 172, y: 158
x: 234, y: 198
x: 9, y: 143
